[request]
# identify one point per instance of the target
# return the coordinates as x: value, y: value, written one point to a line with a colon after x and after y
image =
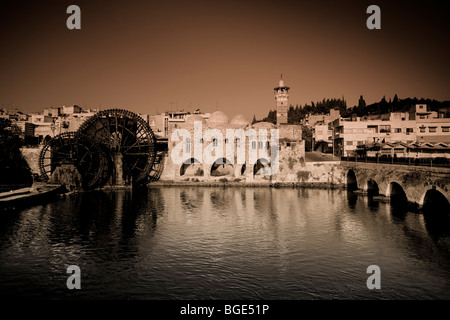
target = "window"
x: 214, y: 142
x: 445, y: 129
x: 432, y: 129
x: 409, y: 130
x: 253, y: 145
x: 238, y: 142
x: 385, y: 129
x: 201, y: 140
x: 360, y: 143
x: 260, y: 144
x: 422, y: 117
x: 372, y: 129
x: 268, y: 145
x: 226, y: 141
x: 398, y: 130
x: 188, y: 145
x: 422, y: 129
x: 349, y: 143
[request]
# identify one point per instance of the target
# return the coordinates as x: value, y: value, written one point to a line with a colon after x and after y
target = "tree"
x: 361, y: 103
x: 14, y: 170
x: 307, y: 136
x: 271, y: 117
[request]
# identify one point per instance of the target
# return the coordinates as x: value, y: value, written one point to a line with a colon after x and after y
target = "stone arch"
x: 396, y: 192
x: 46, y: 139
x: 434, y: 201
x: 222, y: 167
x: 191, y: 167
x: 352, y: 183
x: 243, y: 168
x: 261, y: 167
x: 372, y: 188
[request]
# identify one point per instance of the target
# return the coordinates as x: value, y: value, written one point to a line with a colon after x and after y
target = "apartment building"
x: 420, y: 125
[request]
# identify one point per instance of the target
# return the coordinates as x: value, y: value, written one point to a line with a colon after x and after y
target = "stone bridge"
x: 422, y: 186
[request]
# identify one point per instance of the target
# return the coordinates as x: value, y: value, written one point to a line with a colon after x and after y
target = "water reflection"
x: 224, y: 243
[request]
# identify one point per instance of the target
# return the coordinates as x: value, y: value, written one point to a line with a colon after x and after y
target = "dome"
x: 240, y: 119
x: 264, y: 125
x: 218, y: 117
x: 191, y: 119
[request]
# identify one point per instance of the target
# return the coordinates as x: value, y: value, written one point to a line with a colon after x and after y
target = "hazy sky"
x: 155, y: 56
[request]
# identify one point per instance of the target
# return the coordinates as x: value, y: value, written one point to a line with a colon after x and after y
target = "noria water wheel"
x: 110, y: 141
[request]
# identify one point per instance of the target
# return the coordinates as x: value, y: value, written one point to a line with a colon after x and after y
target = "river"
x: 223, y: 243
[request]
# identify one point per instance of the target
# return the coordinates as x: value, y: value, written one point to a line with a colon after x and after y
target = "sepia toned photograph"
x: 207, y: 151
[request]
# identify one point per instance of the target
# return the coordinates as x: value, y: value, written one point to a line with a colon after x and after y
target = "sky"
x: 155, y: 56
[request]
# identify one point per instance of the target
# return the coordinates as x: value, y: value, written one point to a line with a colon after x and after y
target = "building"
x: 420, y: 125
x: 322, y: 132
x: 162, y: 123
x: 282, y: 99
x: 320, y: 119
x: 239, y: 150
x: 433, y: 130
x: 256, y: 141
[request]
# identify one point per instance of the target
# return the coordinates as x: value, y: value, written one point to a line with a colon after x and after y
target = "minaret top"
x: 281, y: 85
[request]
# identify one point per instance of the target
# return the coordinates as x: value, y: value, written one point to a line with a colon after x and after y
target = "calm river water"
x: 223, y: 243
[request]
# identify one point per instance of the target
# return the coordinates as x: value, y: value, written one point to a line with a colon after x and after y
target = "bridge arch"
x: 352, y: 183
x: 191, y: 167
x: 372, y: 188
x: 396, y: 192
x: 434, y: 201
x: 222, y: 167
x: 47, y: 139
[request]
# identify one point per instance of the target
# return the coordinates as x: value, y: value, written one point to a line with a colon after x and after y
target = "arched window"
x: 253, y: 144
x: 214, y: 142
x: 188, y: 145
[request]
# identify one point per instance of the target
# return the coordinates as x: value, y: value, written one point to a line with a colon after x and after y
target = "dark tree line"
x: 395, y: 105
x: 14, y: 170
x: 299, y: 112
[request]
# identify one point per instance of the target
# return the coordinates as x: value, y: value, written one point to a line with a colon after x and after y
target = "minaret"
x: 282, y: 98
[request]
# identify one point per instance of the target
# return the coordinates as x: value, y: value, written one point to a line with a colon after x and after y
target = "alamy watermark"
x: 374, y: 281
x: 262, y: 146
x: 73, y: 281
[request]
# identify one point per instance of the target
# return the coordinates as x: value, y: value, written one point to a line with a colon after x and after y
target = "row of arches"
x: 223, y: 167
x: 432, y: 200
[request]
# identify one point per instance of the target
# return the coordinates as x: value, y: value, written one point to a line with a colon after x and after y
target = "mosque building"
x: 260, y: 141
